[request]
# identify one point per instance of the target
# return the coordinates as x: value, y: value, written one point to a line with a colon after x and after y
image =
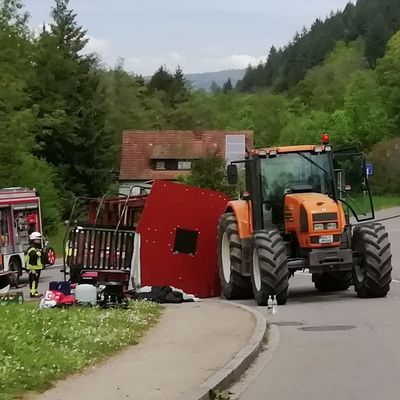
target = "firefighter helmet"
x: 35, y: 236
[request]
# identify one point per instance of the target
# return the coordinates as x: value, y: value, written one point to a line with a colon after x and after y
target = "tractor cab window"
x: 295, y: 173
x: 353, y: 185
x: 292, y: 173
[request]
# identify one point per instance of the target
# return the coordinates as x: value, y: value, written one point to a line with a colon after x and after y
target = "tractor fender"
x: 243, y: 214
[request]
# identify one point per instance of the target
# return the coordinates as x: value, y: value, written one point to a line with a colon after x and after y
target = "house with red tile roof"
x: 150, y: 155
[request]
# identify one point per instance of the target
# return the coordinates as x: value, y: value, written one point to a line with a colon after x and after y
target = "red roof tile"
x: 140, y: 147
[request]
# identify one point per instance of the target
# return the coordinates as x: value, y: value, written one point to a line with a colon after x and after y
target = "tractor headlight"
x: 318, y: 227
x: 331, y: 226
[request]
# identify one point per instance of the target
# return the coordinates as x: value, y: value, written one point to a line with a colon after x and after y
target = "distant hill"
x: 374, y: 21
x: 204, y: 80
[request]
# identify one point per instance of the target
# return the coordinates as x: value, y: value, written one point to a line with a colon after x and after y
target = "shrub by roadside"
x: 40, y: 346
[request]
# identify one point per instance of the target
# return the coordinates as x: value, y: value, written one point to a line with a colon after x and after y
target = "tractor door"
x: 352, y: 183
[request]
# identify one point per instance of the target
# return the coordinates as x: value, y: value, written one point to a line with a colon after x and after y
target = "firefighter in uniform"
x: 34, y: 262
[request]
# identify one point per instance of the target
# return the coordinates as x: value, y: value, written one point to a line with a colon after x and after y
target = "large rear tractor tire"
x: 234, y: 286
x: 333, y: 281
x: 372, y: 269
x: 270, y: 274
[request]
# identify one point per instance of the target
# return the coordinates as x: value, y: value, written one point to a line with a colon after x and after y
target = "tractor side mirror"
x: 232, y: 174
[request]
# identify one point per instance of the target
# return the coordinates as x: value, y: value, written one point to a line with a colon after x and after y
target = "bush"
x: 209, y: 173
x: 385, y: 158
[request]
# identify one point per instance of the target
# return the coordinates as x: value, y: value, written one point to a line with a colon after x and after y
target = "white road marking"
x: 308, y: 274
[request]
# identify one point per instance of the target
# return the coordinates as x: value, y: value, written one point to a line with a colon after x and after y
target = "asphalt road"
x: 334, y: 346
x: 48, y: 275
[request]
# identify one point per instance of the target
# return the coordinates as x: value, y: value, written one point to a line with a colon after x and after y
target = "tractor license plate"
x: 326, y: 239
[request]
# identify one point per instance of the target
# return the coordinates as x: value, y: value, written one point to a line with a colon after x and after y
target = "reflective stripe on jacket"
x: 33, y: 259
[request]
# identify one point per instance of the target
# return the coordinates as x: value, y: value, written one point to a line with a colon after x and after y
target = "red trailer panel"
x: 178, y: 238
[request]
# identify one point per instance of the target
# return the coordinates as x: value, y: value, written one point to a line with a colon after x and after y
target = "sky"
x: 200, y: 36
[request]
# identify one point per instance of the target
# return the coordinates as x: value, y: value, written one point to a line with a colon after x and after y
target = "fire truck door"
x: 6, y: 247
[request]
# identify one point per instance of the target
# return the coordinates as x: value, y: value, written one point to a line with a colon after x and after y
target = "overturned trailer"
x: 166, y: 237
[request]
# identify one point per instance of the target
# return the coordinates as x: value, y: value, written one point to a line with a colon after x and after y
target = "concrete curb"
x: 258, y: 366
x: 233, y: 370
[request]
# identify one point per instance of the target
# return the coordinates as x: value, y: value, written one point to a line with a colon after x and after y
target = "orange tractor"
x: 305, y: 207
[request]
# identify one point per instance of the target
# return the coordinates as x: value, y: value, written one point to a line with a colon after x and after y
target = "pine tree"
x: 215, y: 88
x: 162, y: 80
x: 227, y: 87
x: 376, y: 39
x: 179, y: 92
x: 18, y: 165
x: 71, y: 104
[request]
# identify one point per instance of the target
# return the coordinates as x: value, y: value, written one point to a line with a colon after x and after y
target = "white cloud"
x: 147, y: 65
x: 37, y: 30
x: 94, y: 45
x: 235, y: 61
x: 97, y: 45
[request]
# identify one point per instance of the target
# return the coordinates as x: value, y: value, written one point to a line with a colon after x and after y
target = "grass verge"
x: 383, y: 202
x: 56, y: 240
x: 38, y: 347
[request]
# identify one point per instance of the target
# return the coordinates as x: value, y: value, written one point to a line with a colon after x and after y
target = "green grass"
x: 362, y: 204
x: 38, y: 347
x: 383, y: 202
x: 56, y: 240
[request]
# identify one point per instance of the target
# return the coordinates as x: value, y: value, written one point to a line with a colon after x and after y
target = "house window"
x: 184, y: 165
x: 160, y: 165
x: 172, y: 165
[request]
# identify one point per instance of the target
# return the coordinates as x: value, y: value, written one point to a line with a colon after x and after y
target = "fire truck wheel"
x: 15, y: 266
x: 230, y: 255
x: 270, y: 274
x: 372, y: 269
x: 332, y: 281
x: 50, y: 257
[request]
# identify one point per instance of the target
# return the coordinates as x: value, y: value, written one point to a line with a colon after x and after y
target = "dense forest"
x: 62, y: 113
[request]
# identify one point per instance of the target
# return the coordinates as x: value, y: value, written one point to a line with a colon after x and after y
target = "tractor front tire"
x: 333, y: 281
x: 372, y: 269
x: 234, y: 286
x: 270, y: 274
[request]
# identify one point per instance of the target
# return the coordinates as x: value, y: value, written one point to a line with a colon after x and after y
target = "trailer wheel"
x: 15, y: 266
x: 233, y: 284
x: 332, y: 281
x: 270, y: 274
x: 372, y: 268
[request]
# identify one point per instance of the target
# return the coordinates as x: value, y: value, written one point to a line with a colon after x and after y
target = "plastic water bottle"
x: 274, y: 305
x: 269, y: 305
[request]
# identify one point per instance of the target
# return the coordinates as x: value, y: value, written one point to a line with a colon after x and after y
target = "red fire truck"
x: 20, y: 215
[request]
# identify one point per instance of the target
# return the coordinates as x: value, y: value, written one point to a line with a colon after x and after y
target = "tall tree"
x: 389, y: 79
x: 67, y: 92
x: 161, y: 80
x: 375, y: 39
x: 18, y: 165
x: 227, y: 87
x: 179, y: 90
